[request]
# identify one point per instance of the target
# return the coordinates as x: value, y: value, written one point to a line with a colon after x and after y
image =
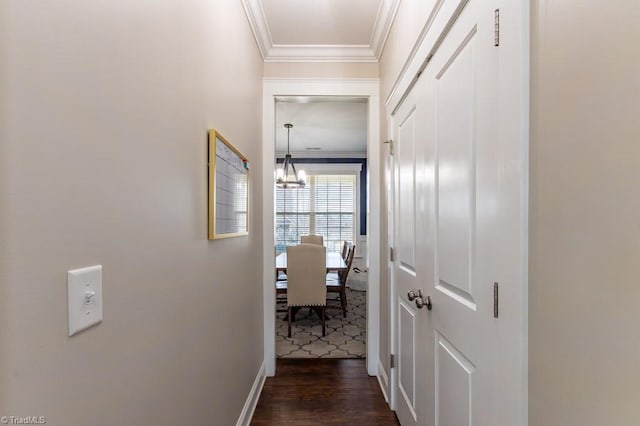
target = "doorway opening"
x: 286, y: 101
x: 326, y: 140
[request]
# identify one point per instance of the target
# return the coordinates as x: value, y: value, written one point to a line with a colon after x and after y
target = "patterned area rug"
x: 345, y: 337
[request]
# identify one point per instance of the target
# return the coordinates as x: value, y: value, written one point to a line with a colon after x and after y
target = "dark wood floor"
x: 322, y: 392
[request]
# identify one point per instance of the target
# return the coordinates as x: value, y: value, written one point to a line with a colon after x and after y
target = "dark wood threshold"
x: 322, y: 392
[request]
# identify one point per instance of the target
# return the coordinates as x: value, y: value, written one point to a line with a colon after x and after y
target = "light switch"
x: 84, y: 289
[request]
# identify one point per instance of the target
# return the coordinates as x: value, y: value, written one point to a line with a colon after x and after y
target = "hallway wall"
x: 4, y: 185
x: 104, y: 109
x: 410, y: 19
x: 584, y: 217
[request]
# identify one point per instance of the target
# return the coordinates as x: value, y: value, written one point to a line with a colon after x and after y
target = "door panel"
x: 406, y: 357
x: 456, y: 173
x: 462, y: 73
x: 453, y: 383
x: 413, y: 367
x: 406, y: 261
x: 406, y: 193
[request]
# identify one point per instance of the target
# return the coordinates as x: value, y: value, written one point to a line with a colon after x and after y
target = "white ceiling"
x: 320, y: 30
x: 332, y: 22
x: 336, y: 125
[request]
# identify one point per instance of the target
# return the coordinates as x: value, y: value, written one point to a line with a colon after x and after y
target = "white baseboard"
x: 383, y: 381
x: 252, y: 399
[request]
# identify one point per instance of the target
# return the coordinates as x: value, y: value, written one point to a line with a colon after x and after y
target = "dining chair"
x: 312, y: 239
x: 339, y: 285
x: 281, y: 295
x: 306, y: 283
x: 280, y: 276
x: 346, y: 247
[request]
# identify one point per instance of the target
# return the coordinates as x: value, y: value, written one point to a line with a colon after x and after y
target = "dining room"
x: 321, y: 274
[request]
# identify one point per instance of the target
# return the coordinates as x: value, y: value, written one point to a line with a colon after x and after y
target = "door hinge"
x: 392, y: 361
x: 496, y: 300
x: 390, y: 142
x: 496, y: 27
x: 392, y: 254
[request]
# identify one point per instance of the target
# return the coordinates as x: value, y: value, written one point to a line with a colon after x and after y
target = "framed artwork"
x: 228, y: 172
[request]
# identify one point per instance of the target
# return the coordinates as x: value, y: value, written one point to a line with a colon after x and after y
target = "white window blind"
x: 326, y: 206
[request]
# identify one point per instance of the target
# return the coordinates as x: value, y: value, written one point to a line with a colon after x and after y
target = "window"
x: 326, y: 206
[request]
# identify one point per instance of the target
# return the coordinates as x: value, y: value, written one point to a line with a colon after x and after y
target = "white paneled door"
x: 458, y: 226
x: 411, y: 267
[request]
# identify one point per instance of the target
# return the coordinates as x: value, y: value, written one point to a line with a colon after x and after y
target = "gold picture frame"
x: 228, y: 173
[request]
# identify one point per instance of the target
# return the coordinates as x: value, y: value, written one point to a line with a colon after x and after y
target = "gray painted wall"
x: 584, y: 344
x: 105, y: 110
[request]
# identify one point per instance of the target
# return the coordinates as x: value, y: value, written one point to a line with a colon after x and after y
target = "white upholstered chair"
x: 306, y: 280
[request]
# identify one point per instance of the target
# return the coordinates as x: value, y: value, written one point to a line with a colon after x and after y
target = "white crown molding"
x: 320, y: 53
x: 382, y: 26
x: 258, y: 23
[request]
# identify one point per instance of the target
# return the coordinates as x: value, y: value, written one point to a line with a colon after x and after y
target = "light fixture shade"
x: 287, y: 176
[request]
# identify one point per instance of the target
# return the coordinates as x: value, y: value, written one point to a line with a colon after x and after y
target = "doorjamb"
x: 391, y: 235
x: 368, y: 88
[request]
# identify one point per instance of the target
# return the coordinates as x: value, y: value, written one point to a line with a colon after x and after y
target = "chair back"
x: 306, y: 272
x: 346, y: 247
x: 351, y: 252
x: 312, y: 239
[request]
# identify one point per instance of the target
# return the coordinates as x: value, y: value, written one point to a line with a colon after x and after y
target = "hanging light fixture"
x: 287, y: 176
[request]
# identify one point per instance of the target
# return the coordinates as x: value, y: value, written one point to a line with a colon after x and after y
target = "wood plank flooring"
x: 322, y: 392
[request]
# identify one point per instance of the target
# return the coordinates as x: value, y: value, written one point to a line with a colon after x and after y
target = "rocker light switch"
x: 84, y: 289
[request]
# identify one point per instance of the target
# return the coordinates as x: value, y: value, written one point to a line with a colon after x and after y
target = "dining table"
x: 335, y: 262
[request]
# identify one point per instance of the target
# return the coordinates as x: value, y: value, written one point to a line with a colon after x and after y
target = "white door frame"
x: 515, y: 40
x: 368, y: 88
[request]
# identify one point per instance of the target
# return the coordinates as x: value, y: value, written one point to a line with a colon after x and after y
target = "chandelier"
x: 287, y: 176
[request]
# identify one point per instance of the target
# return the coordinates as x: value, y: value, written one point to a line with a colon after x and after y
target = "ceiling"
x: 320, y: 30
x: 335, y: 125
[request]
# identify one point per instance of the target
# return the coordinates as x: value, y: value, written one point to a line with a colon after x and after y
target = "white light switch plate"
x: 84, y: 288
